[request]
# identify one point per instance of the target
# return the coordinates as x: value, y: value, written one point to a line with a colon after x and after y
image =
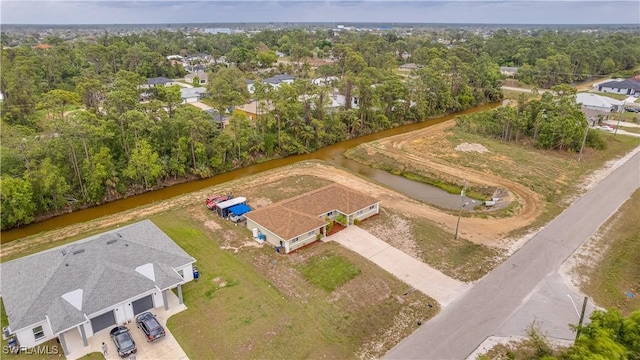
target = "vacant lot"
x: 420, y: 238
x: 609, y: 263
x: 542, y: 182
x: 253, y: 303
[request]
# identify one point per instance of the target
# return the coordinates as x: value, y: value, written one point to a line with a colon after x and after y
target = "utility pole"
x: 624, y: 103
x: 584, y: 308
x: 464, y: 188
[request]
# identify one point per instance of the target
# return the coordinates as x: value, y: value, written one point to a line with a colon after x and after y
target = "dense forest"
x: 75, y: 131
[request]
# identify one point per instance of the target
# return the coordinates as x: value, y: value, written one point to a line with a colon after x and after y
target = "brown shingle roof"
x: 292, y: 217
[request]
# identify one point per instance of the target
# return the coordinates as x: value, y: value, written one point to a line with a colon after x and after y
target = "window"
x: 311, y: 233
x: 38, y: 332
x: 330, y: 213
x: 372, y: 207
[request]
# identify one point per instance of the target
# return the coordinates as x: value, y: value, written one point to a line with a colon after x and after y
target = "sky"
x: 337, y: 11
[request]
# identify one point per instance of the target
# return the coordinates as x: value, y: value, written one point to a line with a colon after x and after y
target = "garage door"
x: 142, y: 305
x: 103, y: 321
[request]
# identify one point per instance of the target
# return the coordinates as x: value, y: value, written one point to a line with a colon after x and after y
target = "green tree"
x: 16, y: 202
x: 227, y: 88
x: 144, y: 165
x: 49, y: 186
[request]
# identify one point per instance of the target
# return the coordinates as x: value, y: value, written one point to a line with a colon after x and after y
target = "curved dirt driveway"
x: 484, y: 231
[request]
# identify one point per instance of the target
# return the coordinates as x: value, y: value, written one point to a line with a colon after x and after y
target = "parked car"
x: 124, y: 342
x: 237, y: 218
x: 150, y: 326
x: 214, y: 200
x: 632, y: 109
x: 606, y: 128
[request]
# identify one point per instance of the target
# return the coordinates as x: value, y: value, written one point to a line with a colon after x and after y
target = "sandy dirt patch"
x: 467, y: 147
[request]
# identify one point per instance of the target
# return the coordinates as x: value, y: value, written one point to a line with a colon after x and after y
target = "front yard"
x: 253, y: 303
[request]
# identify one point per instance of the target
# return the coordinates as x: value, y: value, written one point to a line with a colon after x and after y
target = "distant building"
x: 202, y: 76
x: 598, y: 102
x: 508, y: 70
x: 153, y: 82
x: 625, y: 87
x: 274, y: 81
x: 217, y: 31
x: 190, y: 95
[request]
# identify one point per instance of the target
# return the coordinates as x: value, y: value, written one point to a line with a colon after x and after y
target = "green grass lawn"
x: 613, y: 95
x: 269, y: 310
x: 329, y: 271
x: 619, y: 269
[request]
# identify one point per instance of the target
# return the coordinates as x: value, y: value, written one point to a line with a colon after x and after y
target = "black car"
x: 150, y: 326
x: 123, y: 341
x: 634, y: 110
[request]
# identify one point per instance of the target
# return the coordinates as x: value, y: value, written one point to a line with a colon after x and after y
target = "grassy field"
x: 253, y: 303
x: 552, y: 174
x: 457, y: 258
x: 619, y: 269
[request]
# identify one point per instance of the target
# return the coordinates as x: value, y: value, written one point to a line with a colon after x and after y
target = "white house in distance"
x: 202, y: 76
x: 76, y: 290
x: 302, y: 220
x: 274, y: 81
x: 191, y: 95
x: 619, y: 86
x: 598, y: 102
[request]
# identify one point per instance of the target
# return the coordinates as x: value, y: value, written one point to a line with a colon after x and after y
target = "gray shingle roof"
x: 623, y: 84
x: 158, y: 81
x: 32, y: 286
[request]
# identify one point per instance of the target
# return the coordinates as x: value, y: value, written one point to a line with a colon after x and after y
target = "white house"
x: 153, y: 82
x: 625, y: 87
x: 325, y: 80
x: 598, y: 102
x: 274, y: 81
x: 79, y: 289
x: 191, y: 95
x: 202, y: 76
x: 301, y: 220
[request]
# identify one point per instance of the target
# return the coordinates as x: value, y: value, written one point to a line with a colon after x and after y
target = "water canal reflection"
x: 331, y: 154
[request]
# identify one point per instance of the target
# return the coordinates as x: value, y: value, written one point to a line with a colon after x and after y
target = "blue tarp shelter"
x: 240, y: 209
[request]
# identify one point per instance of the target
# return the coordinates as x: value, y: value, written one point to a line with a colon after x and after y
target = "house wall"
x: 187, y: 272
x: 26, y: 337
x: 271, y: 238
x: 124, y: 310
x: 191, y: 99
x: 364, y: 213
x: 301, y: 240
x: 615, y: 90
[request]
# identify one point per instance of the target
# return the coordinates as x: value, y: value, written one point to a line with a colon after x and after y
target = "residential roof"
x: 622, y: 84
x: 202, y: 75
x: 594, y: 100
x: 292, y: 217
x: 158, y: 81
x: 191, y: 92
x: 80, y: 279
x: 252, y: 108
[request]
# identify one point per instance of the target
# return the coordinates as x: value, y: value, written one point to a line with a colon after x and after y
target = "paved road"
x: 489, y: 305
x: 415, y: 273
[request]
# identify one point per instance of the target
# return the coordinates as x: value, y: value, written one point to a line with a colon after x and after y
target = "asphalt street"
x: 496, y: 302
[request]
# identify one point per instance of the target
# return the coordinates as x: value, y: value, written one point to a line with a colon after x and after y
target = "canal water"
x: 332, y: 154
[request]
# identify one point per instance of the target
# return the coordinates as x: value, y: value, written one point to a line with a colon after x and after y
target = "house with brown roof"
x: 301, y: 220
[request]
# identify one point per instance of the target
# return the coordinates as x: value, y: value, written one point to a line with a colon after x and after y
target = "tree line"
x: 554, y: 122
x: 74, y: 131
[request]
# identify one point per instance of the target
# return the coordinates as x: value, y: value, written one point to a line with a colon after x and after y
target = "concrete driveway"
x: 166, y: 348
x: 417, y: 274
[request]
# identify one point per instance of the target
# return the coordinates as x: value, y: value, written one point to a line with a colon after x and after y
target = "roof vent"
x: 79, y: 251
x: 119, y: 235
x: 111, y: 241
x: 64, y: 252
